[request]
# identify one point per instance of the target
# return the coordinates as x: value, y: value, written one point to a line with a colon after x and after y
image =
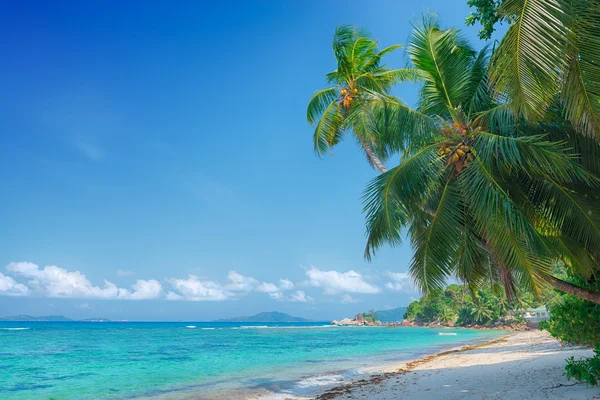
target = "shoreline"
x: 312, y: 386
x: 404, y: 368
x: 520, y: 364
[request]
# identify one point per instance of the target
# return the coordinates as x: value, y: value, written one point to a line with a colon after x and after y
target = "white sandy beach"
x: 523, y: 365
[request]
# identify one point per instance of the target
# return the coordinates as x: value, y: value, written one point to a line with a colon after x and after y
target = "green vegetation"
x: 587, y: 370
x: 577, y: 321
x: 483, y: 196
x: 457, y: 305
x: 485, y: 193
x: 499, y: 171
x: 342, y: 107
x: 574, y: 320
x: 549, y: 56
x: 372, y: 314
x: 487, y: 14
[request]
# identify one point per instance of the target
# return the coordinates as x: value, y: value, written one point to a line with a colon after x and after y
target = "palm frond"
x: 397, y: 126
x: 514, y: 242
x: 319, y: 102
x: 329, y: 130
x: 530, y: 154
x: 436, y: 248
x: 575, y: 255
x: 478, y: 91
x: 444, y: 60
x: 573, y: 215
x: 374, y: 61
x: 527, y: 63
x: 472, y: 259
x: 499, y: 119
x: 389, y: 196
x: 580, y: 93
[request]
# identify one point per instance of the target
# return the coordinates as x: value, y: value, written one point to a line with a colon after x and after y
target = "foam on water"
x: 14, y: 329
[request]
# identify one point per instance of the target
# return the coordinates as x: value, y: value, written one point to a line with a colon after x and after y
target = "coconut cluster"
x: 460, y: 155
x: 347, y: 96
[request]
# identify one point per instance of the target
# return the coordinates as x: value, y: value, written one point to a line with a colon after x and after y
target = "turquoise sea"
x: 135, y: 360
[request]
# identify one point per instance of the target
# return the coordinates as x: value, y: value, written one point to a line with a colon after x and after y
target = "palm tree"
x: 340, y: 108
x: 483, y: 196
x: 481, y: 312
x: 446, y: 315
x: 550, y: 55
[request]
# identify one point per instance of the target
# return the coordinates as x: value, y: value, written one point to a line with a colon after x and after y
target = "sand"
x: 524, y: 365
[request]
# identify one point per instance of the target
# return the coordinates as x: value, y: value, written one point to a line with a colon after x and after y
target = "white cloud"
x: 286, y: 284
x: 397, y: 276
x: 10, y: 287
x: 267, y: 288
x: 333, y: 282
x: 400, y: 282
x: 53, y: 281
x: 194, y: 289
x: 149, y: 289
x: 347, y: 299
x: 300, y: 296
x: 240, y: 283
x: 276, y: 296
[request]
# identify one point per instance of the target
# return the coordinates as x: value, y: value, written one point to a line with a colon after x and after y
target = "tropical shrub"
x: 372, y: 314
x: 574, y: 320
x: 587, y: 370
x: 577, y: 321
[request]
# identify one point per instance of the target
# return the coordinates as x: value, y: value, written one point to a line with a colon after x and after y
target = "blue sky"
x: 143, y: 143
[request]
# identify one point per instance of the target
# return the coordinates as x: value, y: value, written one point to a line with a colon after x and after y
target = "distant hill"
x: 32, y: 318
x: 394, y: 315
x: 265, y: 317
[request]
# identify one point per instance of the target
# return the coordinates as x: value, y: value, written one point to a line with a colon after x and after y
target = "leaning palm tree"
x: 340, y: 108
x: 483, y: 195
x: 550, y: 54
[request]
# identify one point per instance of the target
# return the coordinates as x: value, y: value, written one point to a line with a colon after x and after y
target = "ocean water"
x: 172, y: 360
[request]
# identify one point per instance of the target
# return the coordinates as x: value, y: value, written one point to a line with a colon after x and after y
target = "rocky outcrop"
x: 358, y: 320
x: 507, y: 325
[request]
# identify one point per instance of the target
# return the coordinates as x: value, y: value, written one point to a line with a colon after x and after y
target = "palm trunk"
x: 575, y: 290
x: 374, y: 160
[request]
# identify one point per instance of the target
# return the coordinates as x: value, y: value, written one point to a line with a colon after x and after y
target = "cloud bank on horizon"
x: 56, y: 282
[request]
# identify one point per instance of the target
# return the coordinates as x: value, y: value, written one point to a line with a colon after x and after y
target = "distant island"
x: 266, y: 317
x: 48, y: 318
x: 32, y: 318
